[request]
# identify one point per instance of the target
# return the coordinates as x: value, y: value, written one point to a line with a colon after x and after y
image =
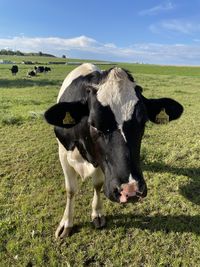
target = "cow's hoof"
x: 99, y: 222
x: 63, y: 231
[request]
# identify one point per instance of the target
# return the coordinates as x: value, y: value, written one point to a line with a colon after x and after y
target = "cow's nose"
x: 131, y: 192
x: 128, y: 191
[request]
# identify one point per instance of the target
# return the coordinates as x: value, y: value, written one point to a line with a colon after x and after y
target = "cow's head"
x: 107, y: 126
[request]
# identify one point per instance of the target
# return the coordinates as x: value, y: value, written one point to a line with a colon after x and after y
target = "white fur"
x: 83, y: 70
x: 118, y: 93
x: 98, y: 180
x: 71, y: 188
x: 80, y: 165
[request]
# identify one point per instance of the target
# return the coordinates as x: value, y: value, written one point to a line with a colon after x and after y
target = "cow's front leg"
x: 98, y: 218
x: 66, y: 224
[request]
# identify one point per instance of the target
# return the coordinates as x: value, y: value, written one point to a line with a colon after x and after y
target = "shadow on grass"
x: 28, y: 82
x: 165, y: 223
x: 153, y: 223
x: 191, y: 191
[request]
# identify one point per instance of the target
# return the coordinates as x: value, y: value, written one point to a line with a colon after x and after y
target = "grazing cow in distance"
x: 39, y: 69
x: 14, y: 69
x: 99, y: 121
x: 31, y: 73
x: 46, y: 69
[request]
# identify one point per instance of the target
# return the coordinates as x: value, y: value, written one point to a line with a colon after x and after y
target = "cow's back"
x: 81, y: 70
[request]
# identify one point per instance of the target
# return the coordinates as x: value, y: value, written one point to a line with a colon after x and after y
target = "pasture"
x: 163, y: 230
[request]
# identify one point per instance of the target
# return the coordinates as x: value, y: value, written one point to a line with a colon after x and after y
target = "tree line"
x: 19, y: 53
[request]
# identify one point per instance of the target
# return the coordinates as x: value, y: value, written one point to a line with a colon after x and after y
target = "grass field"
x: 163, y: 230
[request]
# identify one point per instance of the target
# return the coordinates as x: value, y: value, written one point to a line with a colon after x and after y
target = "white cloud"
x: 85, y: 47
x: 175, y: 25
x: 185, y: 27
x: 110, y: 45
x: 28, y: 44
x: 157, y: 9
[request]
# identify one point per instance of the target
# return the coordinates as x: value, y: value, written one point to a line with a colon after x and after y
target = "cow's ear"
x: 163, y: 110
x: 66, y: 114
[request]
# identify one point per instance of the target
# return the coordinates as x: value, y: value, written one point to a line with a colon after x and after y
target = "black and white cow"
x: 99, y: 122
x: 47, y: 69
x: 39, y: 69
x: 31, y: 73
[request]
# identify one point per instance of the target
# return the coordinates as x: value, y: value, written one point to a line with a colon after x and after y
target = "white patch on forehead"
x: 118, y: 93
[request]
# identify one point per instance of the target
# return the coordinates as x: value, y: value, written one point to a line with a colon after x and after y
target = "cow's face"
x: 119, y: 161
x: 116, y: 131
x: 109, y: 126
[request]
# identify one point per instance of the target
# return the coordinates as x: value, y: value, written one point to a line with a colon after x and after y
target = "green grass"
x: 163, y: 230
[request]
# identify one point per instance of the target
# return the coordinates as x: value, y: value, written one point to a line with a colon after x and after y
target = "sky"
x: 165, y: 32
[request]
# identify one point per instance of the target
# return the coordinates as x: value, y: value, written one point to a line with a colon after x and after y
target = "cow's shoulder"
x: 84, y: 168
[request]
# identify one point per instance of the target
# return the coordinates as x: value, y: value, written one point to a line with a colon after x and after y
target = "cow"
x: 31, y: 73
x: 14, y: 69
x: 46, y: 69
x: 99, y: 122
x: 39, y: 69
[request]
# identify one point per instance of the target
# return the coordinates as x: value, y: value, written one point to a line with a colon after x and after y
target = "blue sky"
x: 158, y: 32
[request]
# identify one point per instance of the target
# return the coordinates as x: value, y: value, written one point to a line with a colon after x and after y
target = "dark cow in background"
x: 31, y: 73
x: 41, y: 69
x: 99, y: 122
x: 14, y: 69
x: 47, y: 69
x: 37, y: 70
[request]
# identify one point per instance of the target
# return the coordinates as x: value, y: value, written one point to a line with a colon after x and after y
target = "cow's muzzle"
x: 130, y: 192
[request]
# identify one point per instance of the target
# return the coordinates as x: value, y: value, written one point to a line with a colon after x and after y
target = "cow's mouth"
x: 125, y: 198
x: 130, y: 193
x: 127, y: 193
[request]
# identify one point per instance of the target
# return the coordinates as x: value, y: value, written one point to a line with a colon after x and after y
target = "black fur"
x: 154, y: 106
x: 14, y: 69
x: 78, y: 136
x: 100, y: 117
x: 55, y: 114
